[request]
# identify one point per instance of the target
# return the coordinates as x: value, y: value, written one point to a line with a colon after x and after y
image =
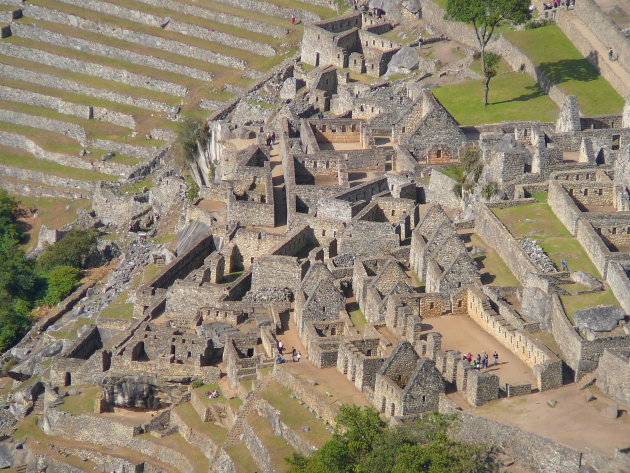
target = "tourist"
x: 273, y: 137
x: 293, y: 353
x: 469, y: 357
x: 268, y: 139
x: 214, y: 394
x: 356, y: 4
x: 478, y: 359
x: 611, y: 54
x: 293, y: 19
x: 495, y: 355
x: 279, y: 359
x: 298, y: 356
x: 484, y: 360
x: 565, y: 266
x: 280, y: 346
x: 475, y: 365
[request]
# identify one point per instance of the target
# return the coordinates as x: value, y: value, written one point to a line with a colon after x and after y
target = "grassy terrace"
x: 54, y: 212
x: 214, y: 431
x: 554, y: 53
x: 177, y: 443
x: 119, y: 308
x: 277, y: 447
x: 242, y: 458
x: 81, y: 403
x: 494, y: 271
x: 19, y: 159
x: 512, y: 96
x: 538, y: 222
x: 295, y: 415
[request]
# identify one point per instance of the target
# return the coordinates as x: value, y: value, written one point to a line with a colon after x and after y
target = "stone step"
x: 188, y: 25
x: 64, y: 107
x: 37, y: 33
x: 66, y: 58
x: 214, y: 13
x: 48, y: 76
x: 36, y: 189
x: 149, y: 35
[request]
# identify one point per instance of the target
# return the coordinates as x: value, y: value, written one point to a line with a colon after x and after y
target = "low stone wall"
x: 257, y: 448
x: 533, y: 451
x: 140, y: 152
x: 150, y: 40
x: 48, y: 80
x: 240, y: 22
x: 313, y: 398
x: 93, y: 69
x: 35, y: 190
x: 273, y: 9
x: 563, y: 206
x: 618, y: 280
x: 83, y: 187
x: 75, y: 132
x: 280, y: 429
x: 31, y: 31
x: 203, y: 442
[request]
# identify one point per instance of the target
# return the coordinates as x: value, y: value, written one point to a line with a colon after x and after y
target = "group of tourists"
x: 480, y: 362
x: 295, y: 354
x: 558, y: 3
x: 271, y: 138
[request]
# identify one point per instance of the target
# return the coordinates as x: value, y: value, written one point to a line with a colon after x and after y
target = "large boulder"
x: 404, y: 61
x: 535, y: 306
x: 587, y: 280
x: 599, y: 319
x: 413, y: 6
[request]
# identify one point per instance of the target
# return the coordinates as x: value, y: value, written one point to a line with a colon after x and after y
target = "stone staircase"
x: 80, y: 79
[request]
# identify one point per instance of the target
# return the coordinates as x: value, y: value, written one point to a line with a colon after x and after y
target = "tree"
x: 62, y: 280
x: 492, y: 64
x: 192, y: 134
x: 362, y: 443
x: 76, y: 248
x: 485, y: 16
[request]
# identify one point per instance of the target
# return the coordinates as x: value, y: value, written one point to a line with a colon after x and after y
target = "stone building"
x: 407, y: 385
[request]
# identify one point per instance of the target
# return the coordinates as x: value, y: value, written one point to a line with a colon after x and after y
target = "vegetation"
x: 76, y: 248
x: 192, y: 191
x: 62, y: 280
x: 514, y: 96
x: 467, y: 174
x: 550, y: 49
x: 196, y: 383
x: 490, y: 190
x: 485, y: 16
x: 363, y: 443
x: 192, y: 134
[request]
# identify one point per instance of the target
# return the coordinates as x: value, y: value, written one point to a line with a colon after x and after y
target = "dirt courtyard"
x: 460, y: 332
x: 573, y: 422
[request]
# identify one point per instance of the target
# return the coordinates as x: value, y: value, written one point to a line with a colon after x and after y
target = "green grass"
x: 576, y: 302
x: 212, y: 430
x: 541, y: 196
x: 163, y: 239
x: 358, y: 320
x: 452, y: 171
x: 277, y: 447
x: 295, y: 415
x: 135, y: 187
x: 242, y: 458
x: 512, y: 96
x: 70, y: 332
x: 494, y: 271
x: 81, y: 403
x: 17, y: 159
x: 176, y: 442
x: 550, y: 49
x: 119, y: 308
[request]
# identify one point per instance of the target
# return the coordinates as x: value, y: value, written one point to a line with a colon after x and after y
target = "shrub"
x: 193, y: 190
x: 62, y: 280
x: 196, y: 383
x: 533, y: 24
x: 192, y: 133
x: 76, y: 248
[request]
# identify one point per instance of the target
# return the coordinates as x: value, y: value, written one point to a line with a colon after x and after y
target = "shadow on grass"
x: 570, y: 69
x: 534, y: 94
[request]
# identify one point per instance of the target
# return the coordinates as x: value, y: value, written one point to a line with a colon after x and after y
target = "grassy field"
x: 559, y: 244
x: 295, y: 415
x: 242, y: 458
x: 494, y: 271
x: 82, y: 403
x: 212, y: 430
x: 512, y: 96
x: 551, y: 50
x: 278, y: 447
x: 119, y: 308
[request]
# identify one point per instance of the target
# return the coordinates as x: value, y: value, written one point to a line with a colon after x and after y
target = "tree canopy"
x: 76, y: 248
x: 362, y: 443
x: 485, y: 16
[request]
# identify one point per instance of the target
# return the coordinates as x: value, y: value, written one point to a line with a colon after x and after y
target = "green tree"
x: 492, y: 66
x: 363, y: 444
x: 192, y: 133
x: 485, y: 16
x: 490, y: 190
x: 76, y: 248
x: 13, y: 324
x: 62, y: 280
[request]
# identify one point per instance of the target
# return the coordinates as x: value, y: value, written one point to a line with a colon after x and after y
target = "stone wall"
x: 619, y: 281
x: 55, y: 82
x: 280, y: 429
x: 563, y: 206
x: 613, y: 374
x: 76, y: 132
x: 203, y: 442
x: 532, y: 450
x: 441, y: 192
x: 93, y: 69
x: 79, y: 187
